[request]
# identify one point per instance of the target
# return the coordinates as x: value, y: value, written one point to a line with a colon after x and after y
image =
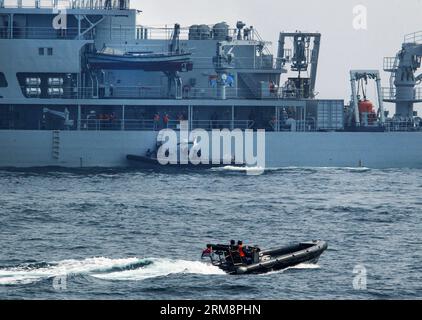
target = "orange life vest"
x: 241, y: 253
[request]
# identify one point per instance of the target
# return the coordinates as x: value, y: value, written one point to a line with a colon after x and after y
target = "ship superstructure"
x: 81, y: 84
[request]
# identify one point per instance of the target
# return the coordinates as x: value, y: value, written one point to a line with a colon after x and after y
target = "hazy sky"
x: 342, y: 47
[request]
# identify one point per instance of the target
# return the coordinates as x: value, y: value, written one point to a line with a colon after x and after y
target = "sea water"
x: 134, y: 234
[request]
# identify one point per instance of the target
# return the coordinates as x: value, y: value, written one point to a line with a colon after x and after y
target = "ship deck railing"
x: 166, y: 32
x: 66, y: 4
x: 390, y: 94
x: 409, y: 125
x: 206, y: 124
x: 43, y: 33
x: 301, y: 126
x: 390, y: 64
x: 415, y: 37
x: 151, y: 125
x: 222, y: 124
x: 160, y: 92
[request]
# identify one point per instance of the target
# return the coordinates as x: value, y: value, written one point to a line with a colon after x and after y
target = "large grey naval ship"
x: 83, y: 85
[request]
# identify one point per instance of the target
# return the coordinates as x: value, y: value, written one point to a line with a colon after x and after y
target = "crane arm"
x: 64, y: 115
x: 174, y: 43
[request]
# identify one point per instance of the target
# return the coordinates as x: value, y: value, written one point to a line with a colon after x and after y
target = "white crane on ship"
x: 64, y: 115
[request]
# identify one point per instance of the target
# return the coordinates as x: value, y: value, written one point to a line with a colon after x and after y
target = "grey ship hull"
x: 74, y: 149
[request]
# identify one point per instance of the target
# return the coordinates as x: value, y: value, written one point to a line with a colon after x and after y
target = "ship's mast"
x: 301, y: 58
x: 403, y: 80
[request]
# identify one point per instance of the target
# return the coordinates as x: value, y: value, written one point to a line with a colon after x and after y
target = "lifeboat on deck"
x: 115, y: 59
x: 366, y: 106
x: 367, y: 111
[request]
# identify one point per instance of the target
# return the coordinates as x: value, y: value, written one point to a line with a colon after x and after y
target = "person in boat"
x: 232, y: 245
x: 207, y: 252
x: 231, y: 252
x: 246, y: 253
x: 240, y: 250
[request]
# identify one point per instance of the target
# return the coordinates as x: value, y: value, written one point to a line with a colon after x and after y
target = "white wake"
x: 163, y: 267
x: 105, y: 268
x: 301, y: 266
x: 260, y: 170
x: 251, y: 170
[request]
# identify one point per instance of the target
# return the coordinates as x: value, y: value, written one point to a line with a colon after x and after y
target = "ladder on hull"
x: 56, y: 145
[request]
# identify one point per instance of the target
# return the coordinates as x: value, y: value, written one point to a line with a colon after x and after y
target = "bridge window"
x: 41, y: 51
x: 3, y: 81
x: 50, y: 51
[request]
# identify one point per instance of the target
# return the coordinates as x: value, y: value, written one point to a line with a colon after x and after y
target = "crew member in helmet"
x: 232, y: 244
x: 232, y: 252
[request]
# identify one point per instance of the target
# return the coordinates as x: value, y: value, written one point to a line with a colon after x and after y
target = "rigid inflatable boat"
x: 153, y: 162
x: 227, y: 257
x: 151, y: 159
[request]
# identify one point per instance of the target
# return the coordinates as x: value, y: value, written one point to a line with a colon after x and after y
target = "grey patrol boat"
x: 83, y: 85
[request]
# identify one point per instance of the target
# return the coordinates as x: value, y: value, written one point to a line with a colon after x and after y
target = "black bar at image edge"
x: 207, y: 309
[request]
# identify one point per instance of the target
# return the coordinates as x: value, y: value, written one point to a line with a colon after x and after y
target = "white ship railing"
x: 127, y: 125
x: 166, y: 32
x: 222, y: 124
x: 149, y: 92
x: 389, y: 64
x: 151, y: 125
x: 42, y: 33
x: 393, y: 125
x: 390, y: 93
x: 415, y: 37
x: 298, y: 126
x: 67, y: 4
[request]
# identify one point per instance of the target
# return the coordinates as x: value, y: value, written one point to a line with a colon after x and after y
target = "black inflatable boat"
x: 152, y: 162
x: 151, y: 158
x: 227, y: 257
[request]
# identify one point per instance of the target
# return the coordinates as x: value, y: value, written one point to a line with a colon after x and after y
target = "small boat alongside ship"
x: 256, y: 261
x: 152, y: 161
x: 156, y: 159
